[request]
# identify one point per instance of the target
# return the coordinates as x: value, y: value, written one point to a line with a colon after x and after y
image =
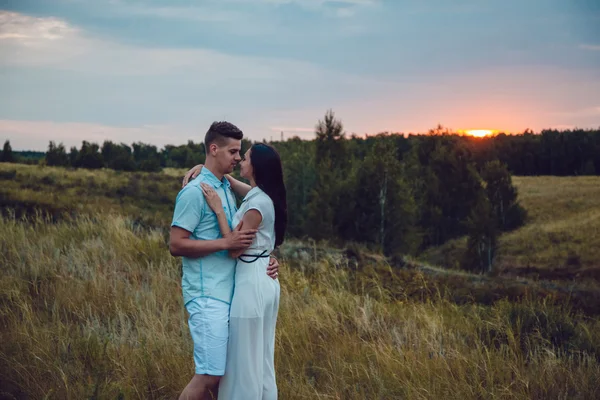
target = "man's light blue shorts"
x: 209, y: 325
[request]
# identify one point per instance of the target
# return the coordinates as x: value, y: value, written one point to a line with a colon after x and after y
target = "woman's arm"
x: 191, y: 174
x: 240, y: 188
x: 214, y: 202
x: 250, y: 221
x: 180, y: 243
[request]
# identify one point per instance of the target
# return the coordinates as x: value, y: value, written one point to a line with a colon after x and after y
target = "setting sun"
x: 478, y: 132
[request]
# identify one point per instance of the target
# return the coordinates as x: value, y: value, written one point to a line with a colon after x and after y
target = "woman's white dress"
x: 250, y: 368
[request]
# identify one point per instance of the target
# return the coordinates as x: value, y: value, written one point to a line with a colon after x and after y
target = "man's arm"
x: 273, y: 268
x: 252, y: 219
x: 189, y: 211
x: 180, y: 243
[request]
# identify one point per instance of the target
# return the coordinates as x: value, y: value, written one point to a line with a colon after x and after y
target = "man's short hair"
x: 219, y: 131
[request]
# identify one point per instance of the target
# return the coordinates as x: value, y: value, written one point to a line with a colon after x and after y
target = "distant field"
x: 561, y: 239
x: 148, y: 198
x: 564, y: 227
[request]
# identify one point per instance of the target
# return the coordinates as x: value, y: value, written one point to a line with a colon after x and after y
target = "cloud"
x: 204, y: 13
x: 27, y: 40
x: 332, y: 8
x: 591, y: 111
x: 311, y: 3
x: 65, y: 74
x: 154, y: 81
x: 27, y: 29
x: 42, y: 42
x: 345, y: 12
x: 228, y: 10
x: 592, y: 47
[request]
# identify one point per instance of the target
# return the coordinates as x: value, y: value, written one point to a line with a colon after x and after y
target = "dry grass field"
x: 563, y: 233
x: 90, y: 304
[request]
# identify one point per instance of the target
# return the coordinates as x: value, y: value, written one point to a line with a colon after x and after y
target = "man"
x: 208, y: 271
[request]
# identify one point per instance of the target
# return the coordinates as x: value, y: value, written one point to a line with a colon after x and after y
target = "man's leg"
x: 201, y: 387
x: 209, y: 326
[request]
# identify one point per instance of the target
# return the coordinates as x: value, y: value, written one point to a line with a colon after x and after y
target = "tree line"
x: 550, y: 152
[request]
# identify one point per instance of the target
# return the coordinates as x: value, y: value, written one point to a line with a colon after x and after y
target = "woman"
x: 250, y: 370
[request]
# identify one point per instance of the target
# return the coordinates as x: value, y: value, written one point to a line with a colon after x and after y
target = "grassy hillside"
x: 561, y: 239
x: 90, y: 307
x: 563, y: 233
x: 147, y: 198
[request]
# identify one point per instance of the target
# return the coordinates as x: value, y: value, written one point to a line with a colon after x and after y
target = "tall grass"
x: 91, y: 308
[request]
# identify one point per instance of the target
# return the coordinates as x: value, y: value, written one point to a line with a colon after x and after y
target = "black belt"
x: 256, y: 256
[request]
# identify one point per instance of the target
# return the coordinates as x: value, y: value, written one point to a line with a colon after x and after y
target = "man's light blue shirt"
x: 213, y: 275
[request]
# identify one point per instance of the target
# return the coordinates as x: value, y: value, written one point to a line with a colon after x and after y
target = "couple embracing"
x: 230, y: 287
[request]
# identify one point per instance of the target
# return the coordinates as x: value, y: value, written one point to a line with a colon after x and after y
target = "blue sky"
x: 161, y: 71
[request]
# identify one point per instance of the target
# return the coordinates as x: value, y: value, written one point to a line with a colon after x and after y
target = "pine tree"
x: 89, y: 156
x: 383, y: 209
x: 330, y: 160
x: 56, y: 155
x: 73, y: 157
x: 502, y: 195
x: 7, y: 154
x: 445, y: 182
x: 146, y: 157
x: 482, y: 237
x: 300, y: 175
x: 589, y: 168
x: 117, y: 156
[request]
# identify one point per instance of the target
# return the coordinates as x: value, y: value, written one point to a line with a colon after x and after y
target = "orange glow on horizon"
x: 478, y: 132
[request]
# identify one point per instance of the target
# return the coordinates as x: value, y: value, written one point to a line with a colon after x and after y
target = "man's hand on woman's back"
x: 240, y: 239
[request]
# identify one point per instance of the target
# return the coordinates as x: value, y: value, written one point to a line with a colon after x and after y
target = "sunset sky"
x: 161, y: 71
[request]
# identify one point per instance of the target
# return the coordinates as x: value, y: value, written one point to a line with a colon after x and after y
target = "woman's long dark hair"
x: 268, y: 175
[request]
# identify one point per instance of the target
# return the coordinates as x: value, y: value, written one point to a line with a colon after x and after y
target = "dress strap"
x: 256, y: 256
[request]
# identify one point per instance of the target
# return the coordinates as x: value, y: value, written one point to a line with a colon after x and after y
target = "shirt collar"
x: 212, y: 179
